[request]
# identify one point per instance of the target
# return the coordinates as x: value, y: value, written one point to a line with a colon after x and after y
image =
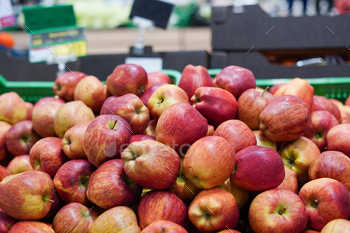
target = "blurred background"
x: 273, y: 38
x: 188, y: 27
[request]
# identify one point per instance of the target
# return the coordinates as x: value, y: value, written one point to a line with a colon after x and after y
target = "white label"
x: 40, y: 54
x: 7, y: 17
x: 150, y: 64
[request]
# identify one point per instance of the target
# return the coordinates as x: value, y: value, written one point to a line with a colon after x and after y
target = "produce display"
x: 139, y: 154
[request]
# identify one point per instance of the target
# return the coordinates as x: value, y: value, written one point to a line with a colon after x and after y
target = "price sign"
x: 57, y: 43
x: 7, y: 17
x: 150, y: 64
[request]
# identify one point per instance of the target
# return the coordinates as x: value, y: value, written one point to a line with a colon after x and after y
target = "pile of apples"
x: 139, y: 154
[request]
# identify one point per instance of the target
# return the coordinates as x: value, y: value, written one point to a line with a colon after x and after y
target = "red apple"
x: 31, y: 227
x: 261, y: 140
x: 73, y: 141
x: 331, y: 164
x: 235, y: 80
x: 6, y: 222
x: 286, y: 118
x: 237, y: 133
x: 72, y: 179
x: 299, y: 155
x: 250, y: 105
x: 214, y: 210
x: 47, y: 155
x: 71, y: 114
x: 44, y: 112
x: 337, y: 226
x: 151, y: 164
x: 151, y: 128
x: 322, y: 103
x: 109, y: 186
x: 164, y: 226
x: 26, y: 196
x: 29, y: 107
x: 300, y: 88
x: 194, y: 77
x: 321, y: 122
x: 241, y: 195
x: 211, y: 154
x: 21, y: 137
x: 260, y: 89
x: 277, y: 210
x: 164, y: 97
x: 181, y: 125
x: 161, y: 205
x: 141, y: 137
x: 215, y: 104
x: 3, y: 173
x: 92, y: 92
x: 105, y: 138
x: 258, y: 169
x: 345, y: 116
x: 65, y: 84
x: 74, y: 217
x: 19, y: 164
x: 149, y: 92
x: 275, y: 87
x: 127, y: 78
x: 325, y: 199
x: 117, y: 219
x: 156, y: 78
x: 12, y: 108
x: 338, y: 139
x: 345, y: 108
x: 338, y: 103
x: 129, y: 107
x: 4, y: 128
x: 290, y: 181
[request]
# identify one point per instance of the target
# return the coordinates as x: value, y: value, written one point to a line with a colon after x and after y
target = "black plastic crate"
x: 254, y: 27
x: 263, y: 69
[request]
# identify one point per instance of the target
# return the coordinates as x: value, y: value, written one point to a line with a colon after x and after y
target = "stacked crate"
x: 271, y: 46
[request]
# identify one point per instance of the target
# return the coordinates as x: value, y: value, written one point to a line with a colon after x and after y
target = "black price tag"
x: 157, y: 11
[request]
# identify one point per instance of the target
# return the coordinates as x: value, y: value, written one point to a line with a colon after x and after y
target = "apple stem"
x: 87, y: 177
x: 282, y: 211
x: 265, y: 91
x: 114, y: 124
x: 49, y: 200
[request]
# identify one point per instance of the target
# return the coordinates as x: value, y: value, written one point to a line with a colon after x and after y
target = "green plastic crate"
x: 33, y: 91
x: 336, y: 88
x: 331, y: 87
